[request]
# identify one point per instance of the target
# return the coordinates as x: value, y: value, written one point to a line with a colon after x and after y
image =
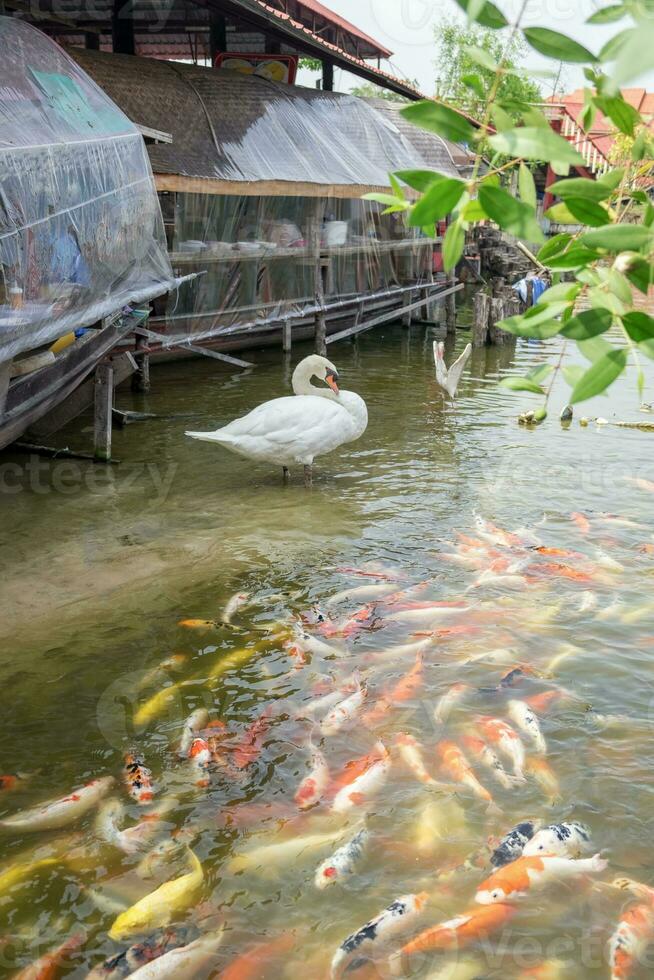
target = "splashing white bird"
x: 448, y: 378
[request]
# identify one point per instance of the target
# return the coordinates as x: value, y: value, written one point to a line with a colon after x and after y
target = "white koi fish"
x: 411, y: 752
x: 446, y: 704
x: 531, y: 874
x: 507, y: 740
x: 343, y: 862
x: 311, y: 789
x: 362, y: 593
x: 233, y: 605
x: 429, y: 616
x: 131, y: 839
x: 344, y: 712
x: 185, y: 962
x: 571, y: 840
x: 397, y: 917
x: 484, y: 755
x: 267, y: 856
x: 62, y: 812
x: 193, y: 725
x: 364, y: 787
x: 528, y: 723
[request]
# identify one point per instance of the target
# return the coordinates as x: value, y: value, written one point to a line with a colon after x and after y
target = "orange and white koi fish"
x: 495, y: 535
x: 200, y: 759
x: 193, y: 725
x: 484, y: 755
x: 48, y: 966
x: 386, y: 576
x: 455, y: 764
x: 405, y: 690
x: 196, y: 959
x: 541, y: 703
x: 541, y: 770
x: 629, y: 942
x: 249, y: 748
x: 13, y: 780
x: 131, y: 839
x: 507, y: 741
x: 446, y: 704
x: 62, y: 812
x: 233, y: 605
x: 531, y: 874
x: 641, y: 483
x: 361, y: 593
x: 581, y: 521
x: 253, y: 963
x: 325, y: 702
x: 411, y: 753
x: 129, y: 961
x: 428, y: 615
x: 520, y: 713
x: 395, y: 919
x: 365, y: 787
x: 343, y: 862
x: 355, y: 768
x: 457, y: 933
x: 312, y: 788
x: 138, y: 778
x: 344, y: 712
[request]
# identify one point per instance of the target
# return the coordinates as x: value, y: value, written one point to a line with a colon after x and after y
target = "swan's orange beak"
x: 331, y: 381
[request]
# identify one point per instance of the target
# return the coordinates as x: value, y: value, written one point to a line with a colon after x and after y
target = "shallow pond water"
x: 99, y: 566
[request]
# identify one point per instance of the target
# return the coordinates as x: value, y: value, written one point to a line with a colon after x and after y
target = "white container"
x: 336, y: 233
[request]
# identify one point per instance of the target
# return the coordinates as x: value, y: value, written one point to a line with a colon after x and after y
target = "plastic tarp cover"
x: 81, y: 231
x: 261, y: 256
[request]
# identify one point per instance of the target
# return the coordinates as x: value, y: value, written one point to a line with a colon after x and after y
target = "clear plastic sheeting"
x: 268, y: 258
x: 81, y: 232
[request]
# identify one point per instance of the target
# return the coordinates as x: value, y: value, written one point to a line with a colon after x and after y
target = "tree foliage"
x: 370, y: 91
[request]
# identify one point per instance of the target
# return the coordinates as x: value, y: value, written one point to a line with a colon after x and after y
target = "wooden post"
x: 408, y: 316
x: 287, y: 336
x: 122, y: 27
x: 319, y: 286
x: 141, y: 377
x: 450, y: 307
x: 328, y: 76
x: 217, y: 34
x: 481, y: 306
x: 104, y: 397
x: 5, y: 377
x: 91, y: 41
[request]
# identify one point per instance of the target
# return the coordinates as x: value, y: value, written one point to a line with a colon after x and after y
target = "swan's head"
x: 319, y: 367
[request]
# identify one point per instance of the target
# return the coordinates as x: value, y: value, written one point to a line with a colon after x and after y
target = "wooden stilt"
x: 319, y: 285
x: 141, y: 377
x: 287, y: 474
x: 287, y: 336
x: 407, y: 315
x: 5, y: 377
x: 450, y: 308
x: 308, y: 476
x: 104, y: 396
x: 480, y: 316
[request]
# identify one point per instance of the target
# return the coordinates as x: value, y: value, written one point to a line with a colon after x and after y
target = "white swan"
x: 297, y: 429
x: 448, y: 379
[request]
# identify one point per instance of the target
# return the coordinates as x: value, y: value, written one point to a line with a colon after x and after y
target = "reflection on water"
x: 100, y: 566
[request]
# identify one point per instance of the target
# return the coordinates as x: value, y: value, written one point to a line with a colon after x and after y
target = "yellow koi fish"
x: 158, y: 909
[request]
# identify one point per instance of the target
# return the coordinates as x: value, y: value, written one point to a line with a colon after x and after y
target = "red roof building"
x: 603, y: 132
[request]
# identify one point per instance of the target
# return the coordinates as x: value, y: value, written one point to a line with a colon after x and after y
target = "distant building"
x: 602, y: 134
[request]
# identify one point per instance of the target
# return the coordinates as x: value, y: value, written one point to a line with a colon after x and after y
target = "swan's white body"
x: 296, y: 429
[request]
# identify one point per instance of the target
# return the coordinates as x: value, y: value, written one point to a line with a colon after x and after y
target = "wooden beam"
x: 5, y: 377
x: 104, y: 397
x: 264, y: 188
x: 122, y: 27
x: 391, y: 315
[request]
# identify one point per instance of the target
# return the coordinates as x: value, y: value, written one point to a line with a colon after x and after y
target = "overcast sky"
x: 406, y: 27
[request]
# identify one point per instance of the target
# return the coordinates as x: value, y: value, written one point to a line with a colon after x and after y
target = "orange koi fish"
x: 411, y: 752
x: 507, y: 741
x: 365, y: 786
x: 355, y: 768
x: 541, y: 703
x: 252, y: 964
x: 541, y: 770
x: 581, y: 521
x: 138, y: 778
x: 629, y: 942
x: 527, y: 875
x: 459, y: 932
x: 455, y: 764
x: 448, y: 632
x: 405, y: 690
x: 249, y: 748
x: 558, y: 553
x: 494, y: 535
x: 200, y: 758
x: 47, y: 967
x: 313, y: 786
x: 563, y: 571
x: 198, y: 624
x: 12, y: 781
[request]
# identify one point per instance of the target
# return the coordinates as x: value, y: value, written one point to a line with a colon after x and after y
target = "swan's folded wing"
x: 457, y: 369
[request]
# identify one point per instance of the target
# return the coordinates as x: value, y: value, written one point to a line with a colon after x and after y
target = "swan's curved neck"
x: 301, y: 383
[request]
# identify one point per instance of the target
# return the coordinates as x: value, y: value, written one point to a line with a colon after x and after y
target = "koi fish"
x: 581, y: 521
x: 25, y: 870
x: 629, y: 942
x: 158, y: 703
x: 249, y: 748
x: 252, y: 964
x: 355, y: 768
x: 411, y: 752
x: 541, y: 703
x: 484, y: 755
x: 183, y: 962
x: 641, y: 483
x: 458, y: 768
x: 159, y: 908
x: 513, y: 844
x: 548, y: 970
x: 343, y: 861
x: 588, y: 602
x: 456, y: 933
x: 405, y: 690
x: 387, y: 576
x: 193, y: 725
x: 531, y: 874
x: 364, y: 787
x: 558, y: 553
x: 62, y: 812
x: 233, y: 605
x: 376, y: 590
x: 571, y: 840
x: 395, y: 918
x: 344, y: 712
x: 267, y: 856
x: 445, y: 704
x: 564, y: 571
x: 129, y: 961
x: 131, y: 839
x: 47, y: 967
x: 138, y: 779
x: 233, y: 660
x: 430, y: 615
x: 506, y: 739
x: 160, y: 673
x: 200, y: 758
x: 313, y: 786
x: 13, y: 780
x: 437, y: 822
x: 527, y: 722
x: 546, y: 778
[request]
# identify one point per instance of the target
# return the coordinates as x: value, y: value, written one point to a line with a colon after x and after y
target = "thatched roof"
x: 236, y: 133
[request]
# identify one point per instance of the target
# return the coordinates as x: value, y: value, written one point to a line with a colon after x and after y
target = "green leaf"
x: 647, y: 347
x: 572, y: 373
x: 561, y: 214
x: 580, y: 187
x: 473, y: 211
x: 510, y: 214
x: 588, y: 212
x: 615, y: 45
x: 481, y: 57
x: 639, y: 326
x: 441, y: 198
x: 588, y: 324
x: 618, y: 238
x: 640, y: 274
x: 635, y: 55
x: 640, y: 381
x: 419, y: 180
x: 488, y: 16
x: 619, y: 286
x: 576, y: 257
x: 388, y: 199
x: 453, y: 244
x: 554, y: 246
x: 501, y: 118
x: 623, y: 115
x: 521, y: 384
x: 594, y: 348
x: 612, y: 178
x: 527, y: 186
x: 608, y: 14
x: 475, y: 84
x: 538, y: 323
x: 599, y: 376
x: 397, y: 189
x: 562, y: 291
x: 599, y: 297
x: 557, y: 46
x: 641, y: 146
x: 438, y: 118
x: 536, y: 143
x: 538, y: 374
